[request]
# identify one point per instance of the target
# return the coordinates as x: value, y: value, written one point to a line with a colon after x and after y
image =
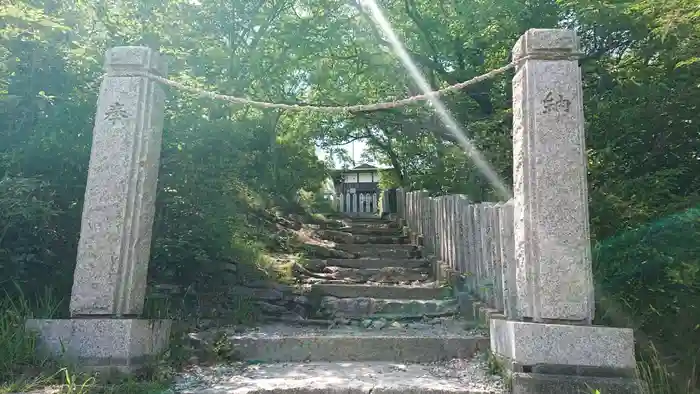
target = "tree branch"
x: 388, y: 150
x: 480, y: 97
x: 410, y: 7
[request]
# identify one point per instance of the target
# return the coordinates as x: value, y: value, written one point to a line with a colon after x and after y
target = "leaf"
x: 687, y: 62
x: 52, y: 24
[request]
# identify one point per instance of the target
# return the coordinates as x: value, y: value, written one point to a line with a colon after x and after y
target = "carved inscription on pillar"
x: 555, y: 103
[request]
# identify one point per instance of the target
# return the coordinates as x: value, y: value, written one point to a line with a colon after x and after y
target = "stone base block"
x: 484, y: 313
x: 563, y: 349
x: 528, y: 383
x: 419, y: 240
x: 102, y: 345
x: 442, y: 272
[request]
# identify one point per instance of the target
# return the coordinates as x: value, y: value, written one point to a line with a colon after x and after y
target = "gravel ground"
x: 455, y: 376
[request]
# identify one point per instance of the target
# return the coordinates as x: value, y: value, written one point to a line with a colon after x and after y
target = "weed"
x: 17, y: 344
x: 494, y: 366
x: 657, y: 378
x: 23, y: 369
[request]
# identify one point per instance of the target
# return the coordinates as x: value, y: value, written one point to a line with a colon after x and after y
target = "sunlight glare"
x: 476, y: 156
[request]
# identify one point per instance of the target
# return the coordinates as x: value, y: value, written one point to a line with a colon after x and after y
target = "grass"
x: 658, y: 377
x: 22, y: 369
x: 16, y: 344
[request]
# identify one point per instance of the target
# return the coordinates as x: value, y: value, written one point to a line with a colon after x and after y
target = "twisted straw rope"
x: 339, y: 109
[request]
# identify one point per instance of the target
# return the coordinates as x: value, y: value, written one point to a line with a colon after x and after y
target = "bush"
x: 649, y: 279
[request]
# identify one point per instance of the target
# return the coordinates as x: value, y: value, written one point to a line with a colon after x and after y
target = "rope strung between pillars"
x: 340, y: 109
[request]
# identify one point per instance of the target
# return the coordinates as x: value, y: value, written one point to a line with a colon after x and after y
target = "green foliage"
x: 223, y: 169
x: 649, y: 279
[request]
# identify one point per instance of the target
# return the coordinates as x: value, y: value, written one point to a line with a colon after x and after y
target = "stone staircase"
x: 394, y: 330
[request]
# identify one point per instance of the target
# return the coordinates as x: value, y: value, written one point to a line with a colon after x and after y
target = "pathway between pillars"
x: 396, y: 330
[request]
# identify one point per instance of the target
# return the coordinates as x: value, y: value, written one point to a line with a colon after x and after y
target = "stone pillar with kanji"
x: 549, y: 342
x: 106, y: 331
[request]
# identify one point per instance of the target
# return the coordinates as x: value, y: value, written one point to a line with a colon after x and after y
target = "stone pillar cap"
x: 547, y: 44
x: 121, y: 60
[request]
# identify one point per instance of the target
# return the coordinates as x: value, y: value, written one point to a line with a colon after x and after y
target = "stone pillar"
x: 440, y: 229
x: 414, y: 211
x: 412, y: 215
x: 424, y: 217
x: 113, y: 252
x: 507, y: 243
x: 496, y: 258
x: 400, y: 209
x: 457, y: 240
x: 427, y: 220
x: 449, y: 245
x: 555, y: 281
x: 471, y: 247
x: 551, y: 235
x: 447, y: 265
x: 408, y: 210
x: 461, y: 244
x: 434, y: 226
x: 451, y: 232
x: 479, y: 217
x: 419, y: 223
x: 489, y: 263
x: 447, y: 209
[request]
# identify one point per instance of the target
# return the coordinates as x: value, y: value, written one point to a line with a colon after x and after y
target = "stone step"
x: 381, y: 275
x: 343, y: 237
x: 423, y: 292
x: 459, y: 376
x: 374, y: 225
x: 374, y: 263
x: 387, y: 308
x: 366, y: 219
x: 282, y: 343
x: 388, y: 251
x: 372, y: 230
x: 380, y: 239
